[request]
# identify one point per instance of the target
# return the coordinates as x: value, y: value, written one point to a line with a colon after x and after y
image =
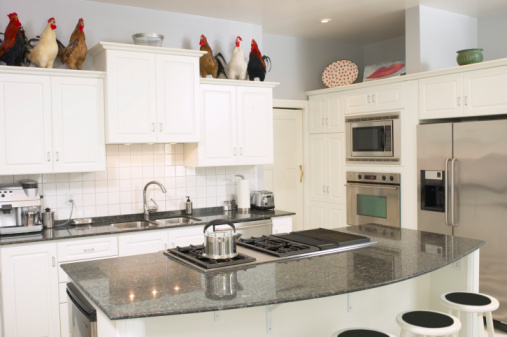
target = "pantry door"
x: 285, y: 176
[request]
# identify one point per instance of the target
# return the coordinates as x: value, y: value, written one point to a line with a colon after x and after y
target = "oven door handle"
x: 254, y: 226
x: 389, y: 187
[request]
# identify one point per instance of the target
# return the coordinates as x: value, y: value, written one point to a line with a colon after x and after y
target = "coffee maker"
x: 20, y: 207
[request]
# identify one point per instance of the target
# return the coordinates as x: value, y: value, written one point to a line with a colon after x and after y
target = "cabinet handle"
x: 234, y: 152
x: 324, y: 188
x: 322, y: 122
x: 240, y: 151
x: 369, y: 99
x: 88, y: 250
x: 466, y: 100
x: 161, y: 127
x: 49, y: 155
x: 57, y: 157
x: 373, y: 98
x: 327, y: 189
x: 302, y: 173
x: 459, y: 101
x: 53, y: 261
x: 152, y: 127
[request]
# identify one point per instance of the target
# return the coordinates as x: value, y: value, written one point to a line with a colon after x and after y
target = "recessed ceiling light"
x: 326, y: 20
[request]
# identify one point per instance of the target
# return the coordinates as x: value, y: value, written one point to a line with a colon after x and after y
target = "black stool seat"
x: 362, y: 333
x: 468, y: 299
x: 428, y: 319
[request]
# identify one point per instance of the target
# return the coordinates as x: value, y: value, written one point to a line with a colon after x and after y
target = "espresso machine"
x: 20, y: 208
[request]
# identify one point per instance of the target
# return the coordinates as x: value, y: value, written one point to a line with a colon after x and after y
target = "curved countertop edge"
x: 101, y: 226
x: 478, y: 244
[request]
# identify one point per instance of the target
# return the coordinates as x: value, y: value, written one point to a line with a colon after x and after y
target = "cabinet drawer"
x: 87, y: 249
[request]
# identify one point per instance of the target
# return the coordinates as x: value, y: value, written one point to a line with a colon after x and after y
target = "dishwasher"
x: 82, y: 315
x: 254, y: 228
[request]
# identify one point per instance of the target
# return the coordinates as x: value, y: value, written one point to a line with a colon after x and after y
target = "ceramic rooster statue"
x: 13, y: 48
x: 75, y: 53
x: 257, y: 63
x: 44, y: 53
x: 207, y: 63
x: 236, y: 69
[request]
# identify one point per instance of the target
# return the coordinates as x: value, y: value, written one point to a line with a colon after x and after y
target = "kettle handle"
x: 219, y: 222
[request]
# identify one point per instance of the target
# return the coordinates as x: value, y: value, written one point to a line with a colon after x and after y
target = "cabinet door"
x: 319, y: 107
x: 318, y: 215
x: 335, y: 120
x: 485, y: 92
x: 25, y: 124
x: 30, y: 291
x: 78, y: 124
x: 142, y: 243
x: 218, y: 126
x: 186, y: 236
x: 319, y: 158
x: 388, y: 97
x: 254, y: 126
x: 177, y: 98
x: 335, y: 153
x: 357, y: 101
x: 337, y: 215
x: 441, y: 97
x: 131, y: 90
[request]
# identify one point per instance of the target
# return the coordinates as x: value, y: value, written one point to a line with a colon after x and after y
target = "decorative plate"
x: 338, y: 73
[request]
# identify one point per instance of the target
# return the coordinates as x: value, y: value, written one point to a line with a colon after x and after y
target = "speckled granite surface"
x: 102, y: 226
x: 154, y: 285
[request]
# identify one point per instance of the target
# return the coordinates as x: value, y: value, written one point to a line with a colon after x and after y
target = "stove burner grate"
x: 193, y: 254
x: 275, y: 246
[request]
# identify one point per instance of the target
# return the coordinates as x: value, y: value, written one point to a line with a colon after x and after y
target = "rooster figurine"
x: 75, y: 53
x: 236, y: 69
x: 44, y: 53
x: 207, y: 63
x: 257, y: 63
x: 13, y: 48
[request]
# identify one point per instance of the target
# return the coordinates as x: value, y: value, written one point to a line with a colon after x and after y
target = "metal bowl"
x: 148, y: 39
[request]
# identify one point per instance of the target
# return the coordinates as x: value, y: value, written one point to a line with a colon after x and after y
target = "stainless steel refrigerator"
x: 462, y: 171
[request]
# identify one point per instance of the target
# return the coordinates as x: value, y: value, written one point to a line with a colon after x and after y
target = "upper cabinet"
x: 152, y: 93
x: 326, y: 114
x: 236, y: 124
x: 378, y: 98
x: 51, y: 121
x: 475, y: 93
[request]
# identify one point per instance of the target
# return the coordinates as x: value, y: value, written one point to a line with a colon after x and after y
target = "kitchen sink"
x: 177, y: 220
x: 133, y: 224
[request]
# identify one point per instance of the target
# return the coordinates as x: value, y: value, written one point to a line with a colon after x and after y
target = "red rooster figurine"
x: 12, y: 49
x: 257, y: 63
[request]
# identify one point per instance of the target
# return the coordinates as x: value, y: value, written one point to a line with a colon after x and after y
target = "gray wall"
x: 385, y: 51
x: 491, y: 32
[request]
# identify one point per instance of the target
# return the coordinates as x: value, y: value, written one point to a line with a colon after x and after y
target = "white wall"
x: 434, y: 36
x: 385, y: 51
x: 491, y: 29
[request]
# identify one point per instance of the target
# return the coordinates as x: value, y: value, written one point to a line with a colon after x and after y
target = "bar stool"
x: 480, y: 304
x: 358, y: 332
x: 428, y: 323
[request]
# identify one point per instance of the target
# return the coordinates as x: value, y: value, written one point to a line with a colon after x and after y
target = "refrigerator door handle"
x: 446, y: 182
x: 453, y: 211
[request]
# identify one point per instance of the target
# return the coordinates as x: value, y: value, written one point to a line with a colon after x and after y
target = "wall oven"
x: 373, y: 198
x: 373, y: 138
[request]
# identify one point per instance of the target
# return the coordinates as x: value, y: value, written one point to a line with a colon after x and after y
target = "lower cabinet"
x: 186, y: 236
x: 282, y: 224
x: 30, y: 290
x: 326, y: 215
x: 142, y: 243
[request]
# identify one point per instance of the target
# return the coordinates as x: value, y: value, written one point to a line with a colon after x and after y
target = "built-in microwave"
x: 373, y: 138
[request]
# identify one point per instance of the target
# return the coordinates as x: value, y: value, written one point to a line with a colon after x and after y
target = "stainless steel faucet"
x: 146, y: 209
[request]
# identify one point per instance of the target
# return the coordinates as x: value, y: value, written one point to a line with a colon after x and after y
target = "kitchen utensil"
x: 469, y: 56
x: 338, y: 73
x: 262, y: 200
x: 148, y: 39
x: 221, y: 243
x: 30, y: 218
x: 48, y: 218
x: 188, y: 206
x: 83, y: 221
x: 243, y: 194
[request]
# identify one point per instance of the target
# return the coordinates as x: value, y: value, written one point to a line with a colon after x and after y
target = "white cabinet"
x: 326, y: 215
x: 473, y: 93
x: 152, y: 93
x: 186, y: 236
x: 142, y: 243
x: 30, y: 291
x: 326, y: 114
x: 51, y: 121
x: 378, y: 98
x: 236, y: 124
x: 327, y: 168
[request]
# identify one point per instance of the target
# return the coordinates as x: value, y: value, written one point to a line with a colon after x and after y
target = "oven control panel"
x: 374, y: 177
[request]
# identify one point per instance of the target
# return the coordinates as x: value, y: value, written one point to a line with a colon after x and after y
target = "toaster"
x: 262, y: 200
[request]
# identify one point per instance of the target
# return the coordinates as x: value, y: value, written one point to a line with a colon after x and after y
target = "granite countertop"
x: 156, y: 285
x: 102, y: 225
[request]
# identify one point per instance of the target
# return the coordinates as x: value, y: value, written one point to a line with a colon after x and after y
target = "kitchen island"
x: 154, y: 295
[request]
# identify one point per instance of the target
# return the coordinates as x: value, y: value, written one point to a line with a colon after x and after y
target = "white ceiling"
x: 353, y: 21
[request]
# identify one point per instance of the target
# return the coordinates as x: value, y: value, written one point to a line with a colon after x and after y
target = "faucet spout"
x: 145, y: 206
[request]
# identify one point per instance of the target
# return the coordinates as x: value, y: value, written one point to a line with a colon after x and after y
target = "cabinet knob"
x: 369, y: 99
x: 161, y: 127
x: 459, y: 101
x: 57, y: 156
x: 49, y: 155
x: 240, y: 151
x: 373, y: 98
x: 466, y: 100
x: 322, y: 122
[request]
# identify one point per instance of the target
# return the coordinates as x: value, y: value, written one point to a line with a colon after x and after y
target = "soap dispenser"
x: 188, y: 206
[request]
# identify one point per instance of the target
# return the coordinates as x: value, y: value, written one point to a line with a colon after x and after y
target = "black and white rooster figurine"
x: 257, y: 63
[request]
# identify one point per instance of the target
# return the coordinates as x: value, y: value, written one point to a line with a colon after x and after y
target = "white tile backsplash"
x: 118, y: 190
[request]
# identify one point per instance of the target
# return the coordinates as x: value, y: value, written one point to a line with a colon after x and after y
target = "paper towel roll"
x: 243, y: 194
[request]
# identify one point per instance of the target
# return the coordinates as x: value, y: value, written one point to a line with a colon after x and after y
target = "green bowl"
x: 469, y: 56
